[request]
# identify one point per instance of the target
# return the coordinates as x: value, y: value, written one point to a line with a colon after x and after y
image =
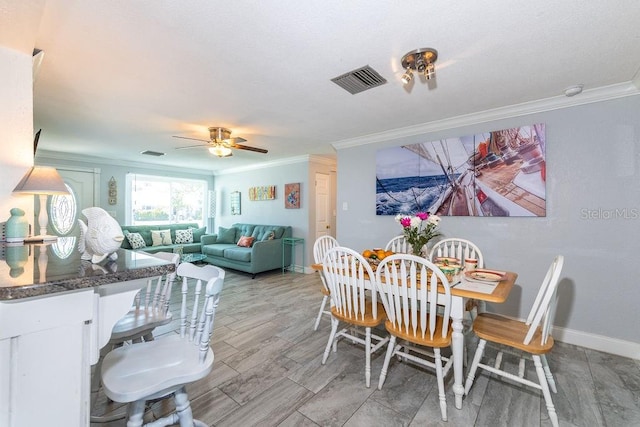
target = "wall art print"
x: 292, y: 195
x: 267, y: 192
x: 499, y: 173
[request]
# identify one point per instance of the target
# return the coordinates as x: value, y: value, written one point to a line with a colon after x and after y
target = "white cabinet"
x: 47, y: 346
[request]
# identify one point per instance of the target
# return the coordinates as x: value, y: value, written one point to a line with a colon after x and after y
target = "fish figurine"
x: 101, y: 237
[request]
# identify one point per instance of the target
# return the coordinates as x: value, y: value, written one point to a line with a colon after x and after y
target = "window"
x: 157, y: 200
x: 63, y: 211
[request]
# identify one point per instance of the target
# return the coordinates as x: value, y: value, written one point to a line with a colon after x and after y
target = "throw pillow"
x: 184, y: 236
x: 226, y: 235
x: 161, y: 237
x: 135, y: 240
x: 246, y: 241
x: 270, y: 235
x: 198, y: 233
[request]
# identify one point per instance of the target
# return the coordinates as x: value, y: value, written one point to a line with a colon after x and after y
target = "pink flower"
x: 422, y: 215
x: 405, y: 222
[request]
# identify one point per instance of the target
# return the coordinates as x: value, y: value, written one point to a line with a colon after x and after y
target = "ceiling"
x: 120, y: 77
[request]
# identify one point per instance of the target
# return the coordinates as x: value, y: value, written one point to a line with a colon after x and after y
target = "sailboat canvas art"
x: 498, y: 173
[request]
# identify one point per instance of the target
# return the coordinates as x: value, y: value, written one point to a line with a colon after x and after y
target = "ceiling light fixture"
x: 220, y: 150
x: 407, y: 76
x: 420, y: 60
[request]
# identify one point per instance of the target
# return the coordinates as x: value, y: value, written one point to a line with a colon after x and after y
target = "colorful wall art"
x: 292, y: 195
x: 267, y: 192
x: 499, y: 173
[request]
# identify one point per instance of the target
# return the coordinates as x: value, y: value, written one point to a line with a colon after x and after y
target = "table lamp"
x: 43, y: 181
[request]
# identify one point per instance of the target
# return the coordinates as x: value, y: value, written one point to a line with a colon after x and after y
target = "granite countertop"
x: 34, y: 270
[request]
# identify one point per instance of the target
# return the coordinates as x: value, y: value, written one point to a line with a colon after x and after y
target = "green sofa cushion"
x: 267, y: 232
x: 217, y: 249
x: 198, y: 233
x: 226, y: 235
x: 238, y: 254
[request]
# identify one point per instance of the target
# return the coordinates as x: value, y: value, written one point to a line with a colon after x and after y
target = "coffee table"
x: 192, y: 257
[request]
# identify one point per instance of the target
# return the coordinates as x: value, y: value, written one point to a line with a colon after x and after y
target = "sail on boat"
x: 502, y: 174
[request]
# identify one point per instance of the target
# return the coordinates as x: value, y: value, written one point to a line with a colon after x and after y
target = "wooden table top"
x: 499, y: 294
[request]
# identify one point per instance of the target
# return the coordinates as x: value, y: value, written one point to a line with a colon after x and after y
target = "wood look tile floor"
x: 267, y: 372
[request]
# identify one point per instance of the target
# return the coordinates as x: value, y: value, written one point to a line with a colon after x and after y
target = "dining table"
x: 463, y: 290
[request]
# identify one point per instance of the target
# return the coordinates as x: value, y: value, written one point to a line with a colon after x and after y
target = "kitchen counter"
x: 34, y: 270
x: 56, y: 313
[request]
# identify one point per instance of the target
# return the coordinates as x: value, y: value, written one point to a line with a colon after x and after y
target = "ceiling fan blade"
x: 195, y: 139
x: 193, y: 146
x: 235, y: 140
x: 249, y: 148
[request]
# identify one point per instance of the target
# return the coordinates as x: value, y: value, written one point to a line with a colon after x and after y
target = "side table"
x: 292, y: 242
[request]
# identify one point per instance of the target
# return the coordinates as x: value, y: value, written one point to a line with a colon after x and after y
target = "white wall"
x: 16, y: 132
x: 592, y: 167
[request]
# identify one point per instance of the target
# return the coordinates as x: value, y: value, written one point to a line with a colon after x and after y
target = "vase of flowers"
x: 419, y: 229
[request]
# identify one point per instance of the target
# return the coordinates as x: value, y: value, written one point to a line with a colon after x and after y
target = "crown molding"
x: 543, y: 105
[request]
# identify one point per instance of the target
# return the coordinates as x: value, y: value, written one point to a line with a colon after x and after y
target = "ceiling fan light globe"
x: 220, y: 151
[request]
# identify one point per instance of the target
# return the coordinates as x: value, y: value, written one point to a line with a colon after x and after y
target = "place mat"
x: 476, y: 286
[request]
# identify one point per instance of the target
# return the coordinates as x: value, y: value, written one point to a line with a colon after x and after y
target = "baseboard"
x: 598, y: 342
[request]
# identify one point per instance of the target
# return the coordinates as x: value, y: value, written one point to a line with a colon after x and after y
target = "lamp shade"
x: 41, y: 180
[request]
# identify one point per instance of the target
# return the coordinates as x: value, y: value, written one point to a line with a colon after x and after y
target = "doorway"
x: 323, y: 206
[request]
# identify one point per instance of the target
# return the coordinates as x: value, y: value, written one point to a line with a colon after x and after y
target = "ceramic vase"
x: 17, y: 226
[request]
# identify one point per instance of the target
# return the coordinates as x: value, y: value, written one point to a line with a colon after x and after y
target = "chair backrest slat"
x: 197, y: 326
x: 543, y: 307
x: 456, y: 248
x: 408, y: 287
x: 349, y: 278
x: 398, y: 245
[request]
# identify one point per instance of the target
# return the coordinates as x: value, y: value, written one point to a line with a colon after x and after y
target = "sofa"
x: 263, y: 248
x: 163, y: 242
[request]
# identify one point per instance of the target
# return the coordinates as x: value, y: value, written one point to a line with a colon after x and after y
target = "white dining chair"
x: 320, y: 248
x: 135, y: 374
x: 354, y: 302
x: 531, y: 338
x: 461, y: 249
x: 149, y: 311
x: 418, y: 315
x: 454, y: 247
x: 398, y: 245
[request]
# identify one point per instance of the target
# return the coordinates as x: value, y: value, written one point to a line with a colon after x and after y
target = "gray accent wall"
x: 593, y: 217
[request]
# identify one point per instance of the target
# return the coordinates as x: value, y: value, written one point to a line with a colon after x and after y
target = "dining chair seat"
x: 367, y: 320
x: 510, y: 332
x: 419, y: 337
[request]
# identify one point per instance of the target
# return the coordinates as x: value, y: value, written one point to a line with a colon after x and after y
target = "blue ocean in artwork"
x: 408, y: 195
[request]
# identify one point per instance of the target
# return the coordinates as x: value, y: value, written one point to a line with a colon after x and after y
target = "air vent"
x: 359, y: 80
x: 153, y: 153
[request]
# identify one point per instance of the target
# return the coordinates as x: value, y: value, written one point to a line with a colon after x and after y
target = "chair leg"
x: 367, y: 357
x: 183, y: 407
x: 547, y: 371
x: 387, y: 358
x: 474, y: 366
x: 321, y: 312
x: 332, y: 335
x: 136, y: 413
x: 542, y: 377
x: 440, y: 376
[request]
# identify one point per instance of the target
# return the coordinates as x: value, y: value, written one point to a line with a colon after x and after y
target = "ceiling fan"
x: 221, y: 143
